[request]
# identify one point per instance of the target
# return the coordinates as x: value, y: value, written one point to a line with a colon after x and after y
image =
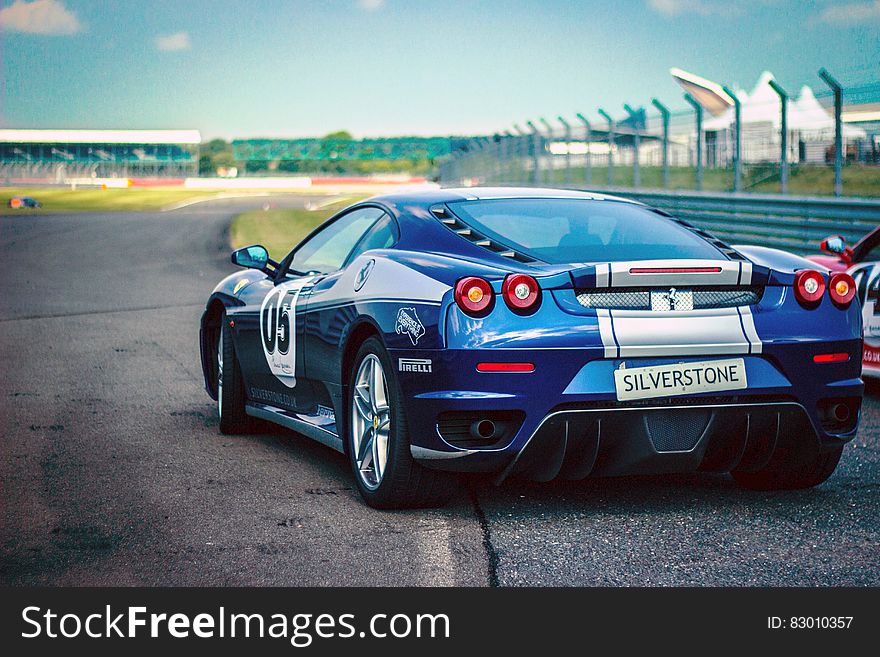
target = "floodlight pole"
x: 536, y: 163
x: 737, y: 144
x: 567, y: 150
x: 699, y: 112
x: 838, y: 129
x: 551, y: 173
x: 605, y: 115
x: 637, y: 178
x: 664, y: 114
x: 783, y: 156
x: 588, y: 140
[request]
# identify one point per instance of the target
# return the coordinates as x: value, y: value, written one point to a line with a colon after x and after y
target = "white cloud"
x: 700, y: 7
x: 370, y: 5
x: 173, y: 42
x: 39, y: 17
x: 851, y: 13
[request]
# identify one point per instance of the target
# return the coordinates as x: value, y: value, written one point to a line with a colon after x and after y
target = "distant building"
x: 62, y: 155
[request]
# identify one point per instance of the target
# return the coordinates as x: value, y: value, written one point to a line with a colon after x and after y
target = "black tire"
x: 791, y: 470
x: 405, y: 483
x: 231, y: 397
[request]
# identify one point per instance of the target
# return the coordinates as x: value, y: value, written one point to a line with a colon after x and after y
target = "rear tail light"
x: 839, y: 357
x: 521, y: 293
x: 809, y: 286
x: 474, y: 295
x: 523, y: 368
x: 842, y: 288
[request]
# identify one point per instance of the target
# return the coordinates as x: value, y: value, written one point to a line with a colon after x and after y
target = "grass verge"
x: 804, y: 180
x: 279, y: 230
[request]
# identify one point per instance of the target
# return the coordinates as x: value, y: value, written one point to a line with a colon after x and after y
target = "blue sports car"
x: 537, y: 333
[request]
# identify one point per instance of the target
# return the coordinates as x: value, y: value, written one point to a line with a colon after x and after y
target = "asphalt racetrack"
x: 114, y: 472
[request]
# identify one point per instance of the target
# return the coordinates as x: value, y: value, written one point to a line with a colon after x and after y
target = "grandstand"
x: 62, y: 155
x: 344, y: 150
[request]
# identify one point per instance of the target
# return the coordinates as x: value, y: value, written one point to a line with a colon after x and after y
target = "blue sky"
x: 236, y: 68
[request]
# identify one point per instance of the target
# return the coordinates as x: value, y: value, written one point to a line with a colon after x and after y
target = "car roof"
x: 447, y: 195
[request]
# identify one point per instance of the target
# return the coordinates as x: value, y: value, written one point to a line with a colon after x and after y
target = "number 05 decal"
x: 278, y: 330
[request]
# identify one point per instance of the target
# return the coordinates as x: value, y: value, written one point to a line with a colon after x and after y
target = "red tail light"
x: 473, y: 295
x: 842, y: 288
x: 521, y: 293
x: 841, y: 357
x: 518, y: 368
x: 809, y: 286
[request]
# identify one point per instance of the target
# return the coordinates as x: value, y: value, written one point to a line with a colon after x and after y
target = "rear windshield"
x: 575, y: 230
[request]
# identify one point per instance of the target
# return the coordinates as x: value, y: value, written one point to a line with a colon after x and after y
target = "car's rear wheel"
x: 378, y: 442
x: 230, y: 386
x: 792, y: 468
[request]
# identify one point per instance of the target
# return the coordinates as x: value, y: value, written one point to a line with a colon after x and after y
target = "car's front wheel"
x: 230, y: 386
x: 378, y: 439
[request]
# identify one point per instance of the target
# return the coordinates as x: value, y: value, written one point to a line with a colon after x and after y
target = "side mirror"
x: 836, y: 245
x: 252, y: 257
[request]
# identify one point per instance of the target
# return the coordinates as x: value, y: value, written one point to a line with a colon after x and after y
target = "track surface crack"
x: 491, y: 553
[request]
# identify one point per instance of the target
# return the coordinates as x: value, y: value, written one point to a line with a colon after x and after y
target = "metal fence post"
x: 551, y: 171
x: 637, y: 177
x: 522, y: 148
x: 536, y: 163
x: 664, y: 114
x: 588, y: 140
x: 737, y: 144
x: 783, y: 157
x: 508, y: 141
x: 567, y: 150
x: 699, y: 112
x: 488, y: 165
x: 607, y: 117
x: 838, y: 129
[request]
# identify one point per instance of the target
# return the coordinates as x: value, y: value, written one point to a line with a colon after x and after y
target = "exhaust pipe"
x: 483, y: 429
x: 836, y: 413
x: 840, y: 412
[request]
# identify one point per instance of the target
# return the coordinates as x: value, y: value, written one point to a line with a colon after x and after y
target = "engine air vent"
x: 463, y: 230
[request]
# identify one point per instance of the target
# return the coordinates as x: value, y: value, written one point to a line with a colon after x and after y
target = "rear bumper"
x: 572, y: 425
x: 576, y: 443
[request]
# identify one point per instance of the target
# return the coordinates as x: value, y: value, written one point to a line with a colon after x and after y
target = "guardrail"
x: 792, y: 223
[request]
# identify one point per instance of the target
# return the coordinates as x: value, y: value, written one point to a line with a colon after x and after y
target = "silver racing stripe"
x: 690, y: 333
x: 602, y: 275
x: 748, y: 323
x: 606, y: 332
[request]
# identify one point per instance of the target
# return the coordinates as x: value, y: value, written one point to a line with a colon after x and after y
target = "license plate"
x: 679, y: 379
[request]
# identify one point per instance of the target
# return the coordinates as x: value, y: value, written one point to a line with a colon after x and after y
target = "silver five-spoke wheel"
x: 370, y: 422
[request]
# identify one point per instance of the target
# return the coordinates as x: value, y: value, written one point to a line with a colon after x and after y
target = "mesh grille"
x: 677, y: 431
x: 638, y: 300
x: 665, y: 299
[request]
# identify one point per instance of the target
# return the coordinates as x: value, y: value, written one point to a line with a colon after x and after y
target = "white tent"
x: 762, y: 106
x: 808, y: 122
x: 806, y: 114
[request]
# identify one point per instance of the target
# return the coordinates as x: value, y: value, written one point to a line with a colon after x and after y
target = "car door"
x: 330, y: 309
x: 278, y: 377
